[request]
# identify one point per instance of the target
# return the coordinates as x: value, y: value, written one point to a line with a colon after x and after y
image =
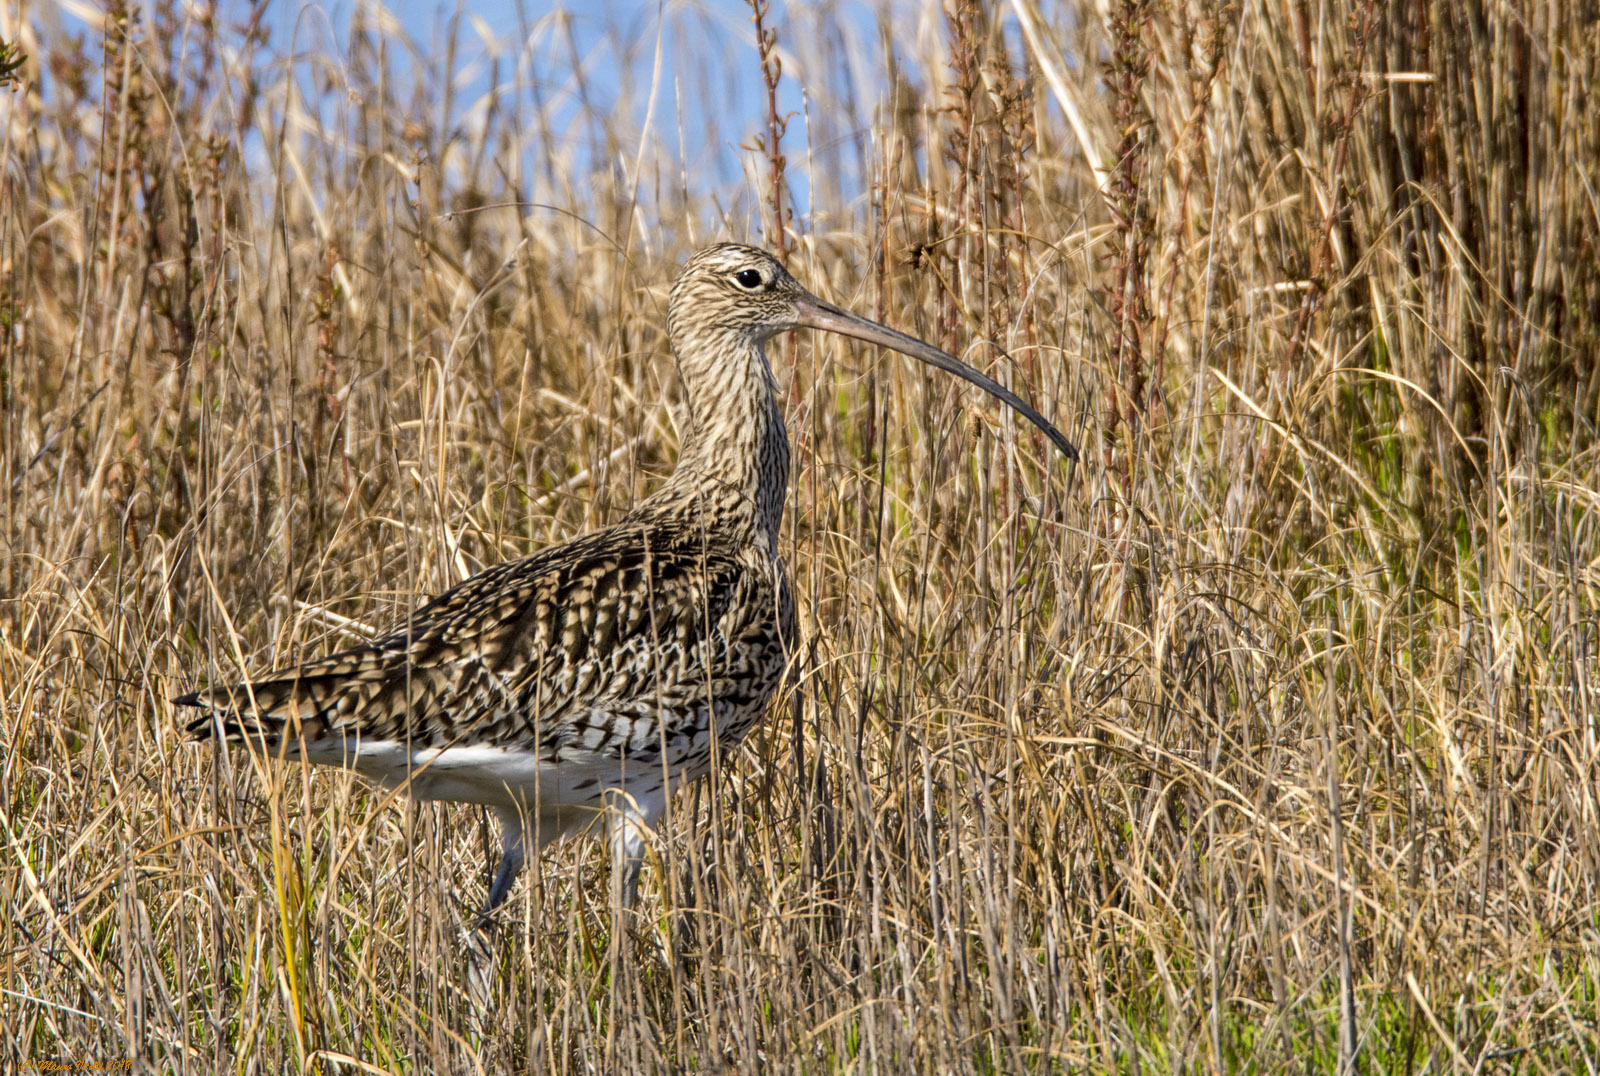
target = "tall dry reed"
x: 1267, y: 739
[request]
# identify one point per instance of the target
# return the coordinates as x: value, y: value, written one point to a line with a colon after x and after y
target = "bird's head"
x: 732, y: 292
x: 729, y: 288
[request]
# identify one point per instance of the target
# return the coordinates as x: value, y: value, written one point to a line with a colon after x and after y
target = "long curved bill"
x: 813, y: 313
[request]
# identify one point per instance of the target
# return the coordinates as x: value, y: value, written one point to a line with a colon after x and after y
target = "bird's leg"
x: 628, y: 826
x: 512, y: 856
x: 630, y: 878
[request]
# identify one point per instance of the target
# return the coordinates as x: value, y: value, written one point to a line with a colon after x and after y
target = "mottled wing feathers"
x: 605, y: 630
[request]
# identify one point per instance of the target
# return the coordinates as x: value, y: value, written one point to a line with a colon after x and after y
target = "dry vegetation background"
x: 1267, y: 739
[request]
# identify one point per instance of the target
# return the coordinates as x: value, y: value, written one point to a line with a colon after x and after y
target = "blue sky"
x: 601, y: 69
x: 583, y: 60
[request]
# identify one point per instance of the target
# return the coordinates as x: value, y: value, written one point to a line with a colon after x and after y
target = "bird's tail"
x: 264, y: 710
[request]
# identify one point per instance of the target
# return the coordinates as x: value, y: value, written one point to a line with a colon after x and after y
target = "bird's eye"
x: 749, y: 279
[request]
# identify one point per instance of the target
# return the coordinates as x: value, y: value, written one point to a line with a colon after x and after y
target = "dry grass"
x: 1267, y: 739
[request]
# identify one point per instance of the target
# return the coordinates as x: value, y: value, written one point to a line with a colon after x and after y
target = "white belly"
x: 555, y: 798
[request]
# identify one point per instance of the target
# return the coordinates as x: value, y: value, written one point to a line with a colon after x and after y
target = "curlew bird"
x: 593, y: 677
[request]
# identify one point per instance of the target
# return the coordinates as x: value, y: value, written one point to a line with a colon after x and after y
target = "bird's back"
x: 549, y: 678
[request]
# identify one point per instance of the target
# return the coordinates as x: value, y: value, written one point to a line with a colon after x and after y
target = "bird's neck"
x: 735, y: 457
